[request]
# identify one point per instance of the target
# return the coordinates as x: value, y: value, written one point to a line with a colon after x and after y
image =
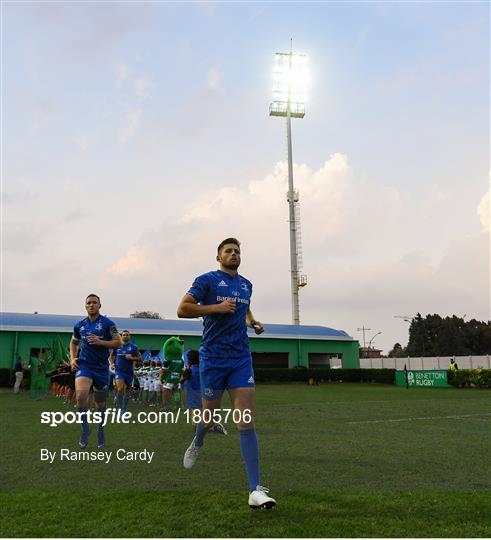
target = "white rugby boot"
x: 218, y: 428
x: 259, y: 499
x: 191, y: 455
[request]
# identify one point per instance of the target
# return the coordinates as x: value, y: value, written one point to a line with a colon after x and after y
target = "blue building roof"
x: 29, y: 322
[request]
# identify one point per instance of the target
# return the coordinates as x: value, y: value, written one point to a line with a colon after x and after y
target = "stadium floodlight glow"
x: 291, y: 77
x: 289, y: 94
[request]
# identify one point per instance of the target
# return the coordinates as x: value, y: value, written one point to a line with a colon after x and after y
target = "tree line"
x: 434, y: 335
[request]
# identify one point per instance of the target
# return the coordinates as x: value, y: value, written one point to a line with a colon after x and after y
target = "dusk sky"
x: 136, y: 136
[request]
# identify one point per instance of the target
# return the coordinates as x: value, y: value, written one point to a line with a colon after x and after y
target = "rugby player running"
x: 93, y: 338
x: 222, y: 297
x: 124, y: 360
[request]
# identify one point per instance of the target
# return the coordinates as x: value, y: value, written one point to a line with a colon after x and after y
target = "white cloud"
x: 131, y: 122
x: 22, y: 237
x: 83, y: 142
x: 214, y: 78
x: 359, y: 266
x: 122, y: 72
x: 484, y: 212
x: 143, y: 87
x: 74, y: 216
x: 435, y: 197
x: 135, y: 261
x: 370, y: 252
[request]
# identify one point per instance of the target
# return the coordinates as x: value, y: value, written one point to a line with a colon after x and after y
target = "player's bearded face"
x: 230, y: 256
x: 125, y: 337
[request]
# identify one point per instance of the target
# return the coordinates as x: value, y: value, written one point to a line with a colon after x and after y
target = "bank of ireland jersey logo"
x: 222, y: 284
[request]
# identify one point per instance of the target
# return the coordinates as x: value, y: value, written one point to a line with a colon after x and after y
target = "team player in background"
x: 124, y: 359
x: 190, y: 381
x: 191, y: 385
x: 222, y: 298
x: 92, y: 339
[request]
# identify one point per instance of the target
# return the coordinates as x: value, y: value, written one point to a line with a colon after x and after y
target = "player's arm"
x: 253, y: 323
x: 136, y: 358
x: 113, y: 343
x: 185, y: 375
x: 190, y: 309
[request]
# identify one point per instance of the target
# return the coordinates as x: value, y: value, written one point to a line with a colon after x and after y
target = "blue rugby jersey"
x: 224, y: 335
x: 94, y: 356
x: 121, y: 363
x: 193, y: 390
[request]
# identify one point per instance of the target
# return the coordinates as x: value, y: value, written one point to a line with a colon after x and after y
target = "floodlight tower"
x: 290, y: 81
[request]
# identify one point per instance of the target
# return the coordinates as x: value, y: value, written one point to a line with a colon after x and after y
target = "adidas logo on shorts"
x: 251, y: 379
x: 222, y: 284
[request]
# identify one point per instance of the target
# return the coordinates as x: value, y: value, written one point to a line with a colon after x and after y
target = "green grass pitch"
x: 343, y: 460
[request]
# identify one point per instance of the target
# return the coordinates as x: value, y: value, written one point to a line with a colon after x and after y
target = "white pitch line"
x: 454, y: 416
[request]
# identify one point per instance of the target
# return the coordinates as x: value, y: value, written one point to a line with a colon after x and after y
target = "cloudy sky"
x: 136, y: 136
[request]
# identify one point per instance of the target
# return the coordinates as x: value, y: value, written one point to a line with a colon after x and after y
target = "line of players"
x: 149, y: 386
x: 157, y: 383
x: 222, y: 298
x: 150, y: 382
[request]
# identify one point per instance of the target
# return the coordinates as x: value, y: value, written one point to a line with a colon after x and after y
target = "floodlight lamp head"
x: 291, y: 78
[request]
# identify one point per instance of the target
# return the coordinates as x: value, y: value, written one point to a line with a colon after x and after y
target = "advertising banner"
x: 434, y: 378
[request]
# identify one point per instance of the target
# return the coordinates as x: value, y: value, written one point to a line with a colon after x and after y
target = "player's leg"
x: 241, y: 387
x: 177, y: 396
x: 212, y: 382
x: 82, y: 387
x: 101, y: 386
x: 71, y: 388
x: 151, y: 392
x: 128, y: 380
x: 120, y: 389
x: 167, y: 391
x: 191, y: 454
x: 146, y: 390
x: 243, y: 400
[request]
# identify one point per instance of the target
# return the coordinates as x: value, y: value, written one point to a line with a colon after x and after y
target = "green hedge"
x: 470, y: 378
x: 385, y: 376
x: 463, y: 378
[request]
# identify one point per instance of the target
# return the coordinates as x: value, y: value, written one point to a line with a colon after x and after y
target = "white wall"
x: 429, y: 362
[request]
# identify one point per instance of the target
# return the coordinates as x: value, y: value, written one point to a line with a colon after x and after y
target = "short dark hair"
x: 123, y: 331
x: 92, y: 294
x: 193, y: 357
x: 227, y: 241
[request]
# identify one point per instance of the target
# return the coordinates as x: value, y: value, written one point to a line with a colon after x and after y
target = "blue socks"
x: 250, y: 453
x: 85, y: 424
x: 201, y: 431
x: 101, y: 438
x: 124, y: 403
x: 84, y: 435
x: 249, y: 448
